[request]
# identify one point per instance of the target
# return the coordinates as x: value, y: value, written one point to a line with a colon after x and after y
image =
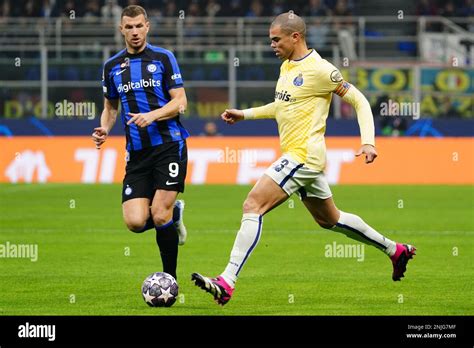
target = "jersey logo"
x: 151, y: 68
x: 171, y: 183
x: 284, y: 96
x: 128, y: 190
x: 298, y: 81
x: 336, y: 76
x: 119, y: 72
x: 130, y: 85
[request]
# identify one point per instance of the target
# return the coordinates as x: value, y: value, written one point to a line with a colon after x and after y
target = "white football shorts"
x: 293, y: 177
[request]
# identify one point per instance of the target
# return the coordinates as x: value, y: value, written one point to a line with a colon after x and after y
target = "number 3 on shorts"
x: 174, y: 169
x: 283, y: 163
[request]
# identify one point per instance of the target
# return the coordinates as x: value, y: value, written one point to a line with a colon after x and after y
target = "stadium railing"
x: 374, y: 36
x: 62, y: 59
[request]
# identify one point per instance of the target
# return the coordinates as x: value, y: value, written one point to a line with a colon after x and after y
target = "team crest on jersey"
x: 128, y: 190
x: 151, y: 68
x: 336, y: 76
x: 298, y: 81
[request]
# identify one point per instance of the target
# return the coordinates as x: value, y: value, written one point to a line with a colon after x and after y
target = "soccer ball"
x: 160, y: 290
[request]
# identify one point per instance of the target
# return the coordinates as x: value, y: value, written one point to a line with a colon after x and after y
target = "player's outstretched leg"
x: 221, y: 287
x: 178, y: 211
x: 356, y: 228
x: 328, y: 216
x: 264, y: 196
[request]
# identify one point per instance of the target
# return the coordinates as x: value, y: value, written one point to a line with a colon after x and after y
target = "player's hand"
x: 99, y: 136
x: 230, y: 116
x: 369, y: 151
x: 141, y: 120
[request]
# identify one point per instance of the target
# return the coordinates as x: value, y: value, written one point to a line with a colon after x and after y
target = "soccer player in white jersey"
x: 302, y: 100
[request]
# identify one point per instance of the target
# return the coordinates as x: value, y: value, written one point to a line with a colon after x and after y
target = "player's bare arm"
x: 107, y: 121
x: 177, y: 104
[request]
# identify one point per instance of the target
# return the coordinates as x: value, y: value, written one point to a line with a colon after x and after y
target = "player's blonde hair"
x: 289, y: 23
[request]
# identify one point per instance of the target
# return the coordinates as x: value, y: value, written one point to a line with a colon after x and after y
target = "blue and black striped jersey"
x: 142, y: 82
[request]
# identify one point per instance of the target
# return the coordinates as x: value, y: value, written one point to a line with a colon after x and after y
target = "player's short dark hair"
x: 290, y: 23
x: 134, y: 11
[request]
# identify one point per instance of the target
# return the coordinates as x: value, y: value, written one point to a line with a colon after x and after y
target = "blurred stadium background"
x: 407, y: 52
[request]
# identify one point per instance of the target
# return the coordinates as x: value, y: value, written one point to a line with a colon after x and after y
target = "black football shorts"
x: 161, y: 167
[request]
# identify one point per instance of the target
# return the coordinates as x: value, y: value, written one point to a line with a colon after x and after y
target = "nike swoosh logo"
x: 171, y: 183
x: 119, y: 72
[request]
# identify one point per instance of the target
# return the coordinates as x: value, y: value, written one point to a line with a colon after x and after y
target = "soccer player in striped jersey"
x: 147, y: 82
x: 302, y: 100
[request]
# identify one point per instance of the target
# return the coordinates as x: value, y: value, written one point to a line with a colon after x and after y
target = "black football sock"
x: 167, y: 240
x: 175, y: 213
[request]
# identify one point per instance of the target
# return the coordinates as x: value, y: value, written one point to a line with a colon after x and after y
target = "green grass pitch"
x: 89, y: 264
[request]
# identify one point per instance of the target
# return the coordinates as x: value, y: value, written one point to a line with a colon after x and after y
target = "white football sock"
x: 354, y: 227
x: 246, y: 240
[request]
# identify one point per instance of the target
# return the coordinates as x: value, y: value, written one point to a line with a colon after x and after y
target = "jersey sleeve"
x: 261, y: 112
x: 172, y: 76
x: 108, y: 86
x: 364, y: 114
x: 330, y: 80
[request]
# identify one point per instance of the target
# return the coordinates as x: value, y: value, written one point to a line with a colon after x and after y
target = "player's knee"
x: 135, y: 225
x: 161, y: 216
x: 250, y: 205
x: 325, y: 223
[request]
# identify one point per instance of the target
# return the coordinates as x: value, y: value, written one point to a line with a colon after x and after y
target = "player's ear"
x: 295, y: 36
x: 147, y: 25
